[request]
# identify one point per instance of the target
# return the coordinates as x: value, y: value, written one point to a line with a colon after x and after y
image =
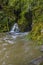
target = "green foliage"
x: 37, y: 21
x: 25, y: 13
x: 14, y: 11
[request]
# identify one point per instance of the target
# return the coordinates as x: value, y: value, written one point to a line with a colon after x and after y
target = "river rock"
x: 41, y: 48
x: 36, y: 61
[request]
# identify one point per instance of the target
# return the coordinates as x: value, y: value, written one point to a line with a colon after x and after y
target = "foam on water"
x: 15, y: 28
x: 15, y: 31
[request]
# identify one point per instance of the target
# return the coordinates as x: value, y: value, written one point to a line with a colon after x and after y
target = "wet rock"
x: 36, y: 61
x: 41, y: 48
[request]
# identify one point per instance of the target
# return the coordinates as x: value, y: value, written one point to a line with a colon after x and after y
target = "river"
x: 17, y: 50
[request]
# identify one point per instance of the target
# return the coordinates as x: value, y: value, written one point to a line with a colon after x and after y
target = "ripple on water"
x: 21, y: 52
x: 4, y: 63
x: 4, y: 49
x: 5, y: 44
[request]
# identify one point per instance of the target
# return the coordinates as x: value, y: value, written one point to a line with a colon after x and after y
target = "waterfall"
x: 15, y: 28
x: 15, y: 31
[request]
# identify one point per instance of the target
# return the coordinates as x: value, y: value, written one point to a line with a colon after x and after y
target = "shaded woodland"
x: 27, y: 13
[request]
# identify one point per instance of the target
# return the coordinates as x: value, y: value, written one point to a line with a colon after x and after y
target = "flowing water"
x: 15, y: 28
x: 17, y: 50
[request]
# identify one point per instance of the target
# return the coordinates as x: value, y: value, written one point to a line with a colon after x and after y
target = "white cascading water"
x: 15, y: 31
x: 15, y: 28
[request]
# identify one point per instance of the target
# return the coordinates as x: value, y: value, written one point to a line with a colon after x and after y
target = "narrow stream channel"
x: 17, y: 50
